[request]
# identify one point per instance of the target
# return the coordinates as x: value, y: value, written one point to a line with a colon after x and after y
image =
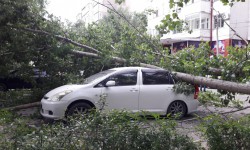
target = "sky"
x: 66, y: 9
x: 69, y: 9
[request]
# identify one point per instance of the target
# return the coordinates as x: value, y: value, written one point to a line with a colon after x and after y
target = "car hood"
x: 72, y: 87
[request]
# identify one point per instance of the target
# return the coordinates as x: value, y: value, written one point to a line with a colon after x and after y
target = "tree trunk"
x: 211, y: 83
x: 24, y: 106
x: 59, y: 37
x: 215, y: 83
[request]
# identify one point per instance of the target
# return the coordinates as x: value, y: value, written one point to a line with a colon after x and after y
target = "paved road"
x: 189, y: 124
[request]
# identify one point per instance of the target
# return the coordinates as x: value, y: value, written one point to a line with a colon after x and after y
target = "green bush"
x: 12, y: 129
x: 227, y: 134
x: 115, y: 130
x: 19, y: 97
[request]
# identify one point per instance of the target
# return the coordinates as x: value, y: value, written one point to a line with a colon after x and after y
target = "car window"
x: 96, y: 76
x: 156, y: 77
x: 39, y: 73
x: 124, y: 79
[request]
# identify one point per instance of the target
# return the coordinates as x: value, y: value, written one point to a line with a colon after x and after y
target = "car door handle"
x: 102, y: 95
x: 105, y: 95
x: 168, y: 89
x: 133, y: 90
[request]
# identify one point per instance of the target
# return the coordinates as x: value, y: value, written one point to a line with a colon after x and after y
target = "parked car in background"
x: 14, y: 80
x: 134, y: 89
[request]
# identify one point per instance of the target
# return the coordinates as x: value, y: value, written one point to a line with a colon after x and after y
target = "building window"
x: 194, y: 23
x: 197, y: 24
x: 178, y: 29
x: 218, y: 20
x: 152, y: 13
x: 205, y: 23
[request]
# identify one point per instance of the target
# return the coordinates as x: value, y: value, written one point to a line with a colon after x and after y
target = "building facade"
x: 94, y: 11
x: 211, y: 21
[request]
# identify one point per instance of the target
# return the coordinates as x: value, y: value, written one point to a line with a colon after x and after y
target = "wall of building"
x: 93, y: 12
x: 239, y: 19
x: 191, y: 12
x: 248, y: 36
x: 161, y: 9
x: 195, y: 7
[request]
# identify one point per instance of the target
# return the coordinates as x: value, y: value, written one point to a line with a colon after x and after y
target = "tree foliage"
x: 113, y: 36
x: 23, y: 49
x: 19, y: 48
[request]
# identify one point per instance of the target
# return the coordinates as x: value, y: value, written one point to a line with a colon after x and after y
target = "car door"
x: 155, y: 91
x: 124, y: 94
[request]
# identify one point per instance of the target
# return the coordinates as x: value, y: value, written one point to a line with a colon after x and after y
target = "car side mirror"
x: 110, y: 83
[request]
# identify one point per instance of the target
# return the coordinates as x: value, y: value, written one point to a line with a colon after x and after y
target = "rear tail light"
x: 196, y: 91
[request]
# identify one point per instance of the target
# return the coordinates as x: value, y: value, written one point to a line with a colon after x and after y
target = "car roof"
x: 129, y: 68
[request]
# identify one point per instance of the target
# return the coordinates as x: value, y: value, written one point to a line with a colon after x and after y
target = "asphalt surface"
x: 188, y: 126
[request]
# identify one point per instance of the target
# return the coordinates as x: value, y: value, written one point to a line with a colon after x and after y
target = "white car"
x: 134, y: 89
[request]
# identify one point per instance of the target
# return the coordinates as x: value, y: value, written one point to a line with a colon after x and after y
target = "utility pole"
x: 211, y: 24
x: 216, y: 18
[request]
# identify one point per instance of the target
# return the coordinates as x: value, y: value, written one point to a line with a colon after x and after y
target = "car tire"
x: 3, y: 87
x: 177, y: 109
x: 79, y: 109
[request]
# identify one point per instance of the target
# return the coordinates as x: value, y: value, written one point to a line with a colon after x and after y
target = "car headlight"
x: 59, y: 96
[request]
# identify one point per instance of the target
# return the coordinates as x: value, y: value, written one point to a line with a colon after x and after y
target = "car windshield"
x: 96, y: 76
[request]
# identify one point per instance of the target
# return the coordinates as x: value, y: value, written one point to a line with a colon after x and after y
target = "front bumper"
x: 53, y: 110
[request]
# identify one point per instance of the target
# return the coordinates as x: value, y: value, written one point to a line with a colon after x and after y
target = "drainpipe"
x: 211, y: 24
x: 217, y: 35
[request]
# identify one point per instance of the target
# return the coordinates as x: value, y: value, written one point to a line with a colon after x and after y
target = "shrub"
x: 12, y: 130
x: 225, y: 134
x: 18, y: 97
x: 114, y: 130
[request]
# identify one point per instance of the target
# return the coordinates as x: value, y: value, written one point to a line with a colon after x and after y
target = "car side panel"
x: 122, y: 97
x: 90, y: 94
x: 155, y: 98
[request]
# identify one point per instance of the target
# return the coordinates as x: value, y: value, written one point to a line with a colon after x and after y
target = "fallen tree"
x: 212, y: 83
x: 25, y: 38
x: 24, y: 106
x: 215, y: 83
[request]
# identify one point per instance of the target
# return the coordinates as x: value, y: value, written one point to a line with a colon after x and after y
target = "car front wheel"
x: 177, y: 109
x: 79, y: 109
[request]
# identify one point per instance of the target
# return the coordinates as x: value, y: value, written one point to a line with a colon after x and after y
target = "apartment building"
x: 211, y: 21
x: 93, y: 11
x: 202, y: 16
